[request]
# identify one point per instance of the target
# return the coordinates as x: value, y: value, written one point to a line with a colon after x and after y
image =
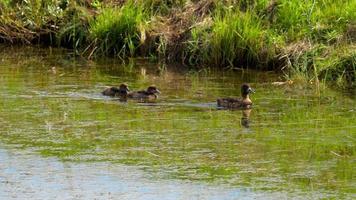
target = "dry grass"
x: 173, y: 30
x: 294, y: 51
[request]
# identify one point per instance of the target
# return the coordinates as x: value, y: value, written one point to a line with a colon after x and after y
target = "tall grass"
x: 161, y: 7
x: 74, y: 27
x: 236, y: 38
x: 340, y: 68
x: 29, y: 21
x: 231, y: 33
x: 324, y: 25
x: 314, y: 19
x: 330, y: 20
x: 117, y: 31
x: 292, y: 18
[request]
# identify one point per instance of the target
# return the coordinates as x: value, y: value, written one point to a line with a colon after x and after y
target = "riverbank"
x: 310, y: 41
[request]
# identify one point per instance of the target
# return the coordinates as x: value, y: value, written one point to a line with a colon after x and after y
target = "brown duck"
x: 121, y: 91
x: 150, y: 94
x: 238, y: 103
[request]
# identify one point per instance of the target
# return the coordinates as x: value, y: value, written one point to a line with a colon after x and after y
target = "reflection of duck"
x: 150, y: 94
x: 122, y: 91
x: 238, y: 103
x: 245, y: 118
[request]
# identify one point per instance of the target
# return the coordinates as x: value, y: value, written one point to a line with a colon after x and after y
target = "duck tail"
x: 219, y: 101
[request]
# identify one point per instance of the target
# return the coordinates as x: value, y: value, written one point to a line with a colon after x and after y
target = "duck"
x: 151, y: 93
x: 122, y: 91
x: 238, y: 103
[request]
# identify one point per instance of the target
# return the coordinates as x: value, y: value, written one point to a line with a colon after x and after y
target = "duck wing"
x: 137, y: 94
x: 229, y: 102
x: 110, y: 91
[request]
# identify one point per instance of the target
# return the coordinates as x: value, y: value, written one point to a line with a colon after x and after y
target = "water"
x: 296, y: 142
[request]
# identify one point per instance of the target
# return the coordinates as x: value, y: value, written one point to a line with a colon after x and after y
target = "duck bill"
x: 158, y: 92
x: 251, y: 91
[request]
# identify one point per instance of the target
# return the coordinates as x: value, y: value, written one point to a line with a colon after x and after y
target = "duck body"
x: 237, y: 103
x: 121, y: 91
x: 142, y: 95
x: 150, y: 94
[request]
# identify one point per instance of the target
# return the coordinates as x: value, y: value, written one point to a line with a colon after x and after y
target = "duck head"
x: 153, y: 90
x: 124, y: 88
x: 246, y: 90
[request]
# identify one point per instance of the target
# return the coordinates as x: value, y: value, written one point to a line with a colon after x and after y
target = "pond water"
x: 296, y: 142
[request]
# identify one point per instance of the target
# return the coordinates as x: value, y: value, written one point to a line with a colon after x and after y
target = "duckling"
x: 122, y: 91
x: 238, y: 103
x: 150, y: 94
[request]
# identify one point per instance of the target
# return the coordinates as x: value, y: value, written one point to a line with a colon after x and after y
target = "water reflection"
x: 293, y: 142
x: 26, y: 176
x: 245, y: 118
x: 245, y: 115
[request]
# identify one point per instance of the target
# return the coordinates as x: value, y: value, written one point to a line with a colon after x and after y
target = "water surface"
x: 296, y: 140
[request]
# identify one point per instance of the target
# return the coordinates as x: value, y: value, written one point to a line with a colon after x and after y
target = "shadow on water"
x: 298, y: 143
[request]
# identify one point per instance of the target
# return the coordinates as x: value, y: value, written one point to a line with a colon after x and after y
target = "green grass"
x: 74, y: 27
x: 116, y: 31
x: 225, y: 34
x: 238, y: 38
x: 292, y: 19
x: 161, y: 7
x: 340, y: 67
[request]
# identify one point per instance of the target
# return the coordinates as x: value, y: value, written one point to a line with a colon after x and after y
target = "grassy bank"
x: 312, y: 41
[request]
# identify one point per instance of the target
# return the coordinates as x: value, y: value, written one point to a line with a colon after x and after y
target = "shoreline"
x: 311, y: 42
